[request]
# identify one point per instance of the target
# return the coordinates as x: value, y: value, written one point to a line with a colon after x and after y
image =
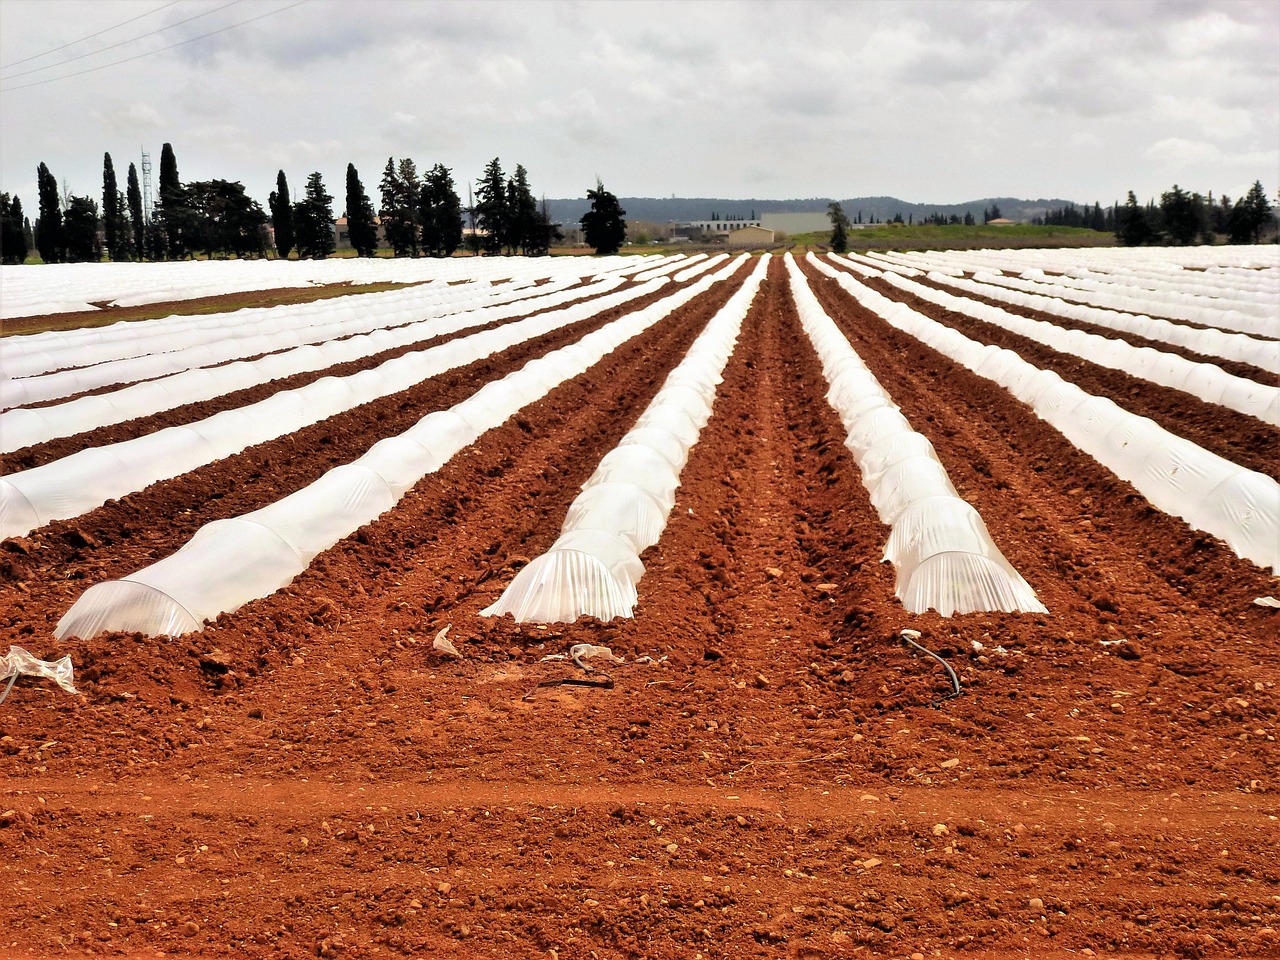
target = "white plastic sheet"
x: 1241, y: 507
x: 594, y: 567
x: 230, y: 562
x: 944, y: 558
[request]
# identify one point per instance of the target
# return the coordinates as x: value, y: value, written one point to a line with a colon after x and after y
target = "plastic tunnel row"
x: 61, y: 287
x: 82, y: 481
x: 160, y: 352
x: 1241, y: 347
x: 1239, y: 506
x: 944, y: 557
x: 230, y: 562
x: 24, y: 427
x: 593, y: 568
x: 1205, y: 380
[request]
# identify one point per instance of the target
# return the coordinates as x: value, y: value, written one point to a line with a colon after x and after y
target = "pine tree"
x: 1133, y: 224
x: 440, y: 212
x: 400, y: 189
x: 602, y: 225
x: 138, y: 236
x: 362, y: 229
x: 313, y: 220
x: 175, y: 206
x: 1250, y: 216
x: 281, y: 207
x: 522, y: 213
x: 839, y: 228
x: 49, y: 226
x: 80, y: 229
x: 492, y: 217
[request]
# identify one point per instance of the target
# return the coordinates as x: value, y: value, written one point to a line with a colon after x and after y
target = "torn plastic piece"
x: 1267, y: 602
x: 581, y: 651
x: 442, y: 644
x: 19, y: 661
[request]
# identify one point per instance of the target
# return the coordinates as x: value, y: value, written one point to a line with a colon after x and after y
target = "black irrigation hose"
x: 955, y: 680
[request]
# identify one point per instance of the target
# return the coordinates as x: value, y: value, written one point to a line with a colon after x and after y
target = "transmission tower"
x: 148, y: 198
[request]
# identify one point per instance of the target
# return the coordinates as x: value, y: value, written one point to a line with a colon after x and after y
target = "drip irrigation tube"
x: 908, y: 636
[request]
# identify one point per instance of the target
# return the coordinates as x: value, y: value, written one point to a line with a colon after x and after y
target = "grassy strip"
x: 224, y: 303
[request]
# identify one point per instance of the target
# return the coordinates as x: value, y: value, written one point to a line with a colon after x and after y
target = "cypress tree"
x: 80, y: 230
x: 13, y: 239
x: 175, y: 206
x: 282, y: 216
x: 114, y: 228
x: 139, y: 236
x: 440, y: 211
x: 361, y: 228
x: 49, y: 226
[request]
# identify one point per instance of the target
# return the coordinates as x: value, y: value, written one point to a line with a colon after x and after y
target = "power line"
x: 211, y: 33
x: 94, y: 53
x: 72, y: 43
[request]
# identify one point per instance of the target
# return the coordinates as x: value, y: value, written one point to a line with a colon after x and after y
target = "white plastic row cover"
x: 85, y: 480
x: 59, y: 287
x: 24, y: 427
x: 593, y: 568
x: 229, y: 562
x: 1207, y: 381
x: 944, y: 557
x: 268, y: 330
x: 1264, y: 354
x: 1239, y: 506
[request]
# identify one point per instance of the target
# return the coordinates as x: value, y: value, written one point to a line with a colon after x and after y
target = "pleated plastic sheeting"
x: 943, y: 557
x: 628, y: 498
x: 1210, y: 341
x: 323, y: 322
x: 1239, y: 506
x: 230, y: 562
x: 1205, y: 380
x: 20, y: 428
x: 1250, y: 319
x: 75, y: 484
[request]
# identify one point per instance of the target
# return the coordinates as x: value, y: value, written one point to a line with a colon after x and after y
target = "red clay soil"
x: 306, y: 777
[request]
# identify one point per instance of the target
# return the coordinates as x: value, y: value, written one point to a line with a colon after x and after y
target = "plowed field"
x: 308, y: 777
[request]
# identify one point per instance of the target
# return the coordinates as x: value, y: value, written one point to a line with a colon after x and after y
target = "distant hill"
x: 661, y: 209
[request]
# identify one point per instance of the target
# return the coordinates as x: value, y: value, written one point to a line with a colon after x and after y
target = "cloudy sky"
x: 932, y: 102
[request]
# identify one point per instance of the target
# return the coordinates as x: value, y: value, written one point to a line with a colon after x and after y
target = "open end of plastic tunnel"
x: 562, y: 585
x: 128, y: 607
x: 953, y: 583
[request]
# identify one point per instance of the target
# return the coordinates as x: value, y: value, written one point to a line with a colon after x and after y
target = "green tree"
x: 362, y: 228
x: 440, y: 212
x: 138, y: 235
x: 1133, y: 224
x: 1180, y: 213
x: 313, y: 220
x: 48, y: 231
x: 175, y: 206
x: 80, y: 224
x: 1250, y: 216
x: 114, y: 227
x: 228, y: 221
x: 281, y: 207
x: 399, y: 190
x: 839, y: 228
x: 602, y: 225
x: 523, y: 227
x: 492, y: 218
x: 13, y: 238
x: 544, y: 233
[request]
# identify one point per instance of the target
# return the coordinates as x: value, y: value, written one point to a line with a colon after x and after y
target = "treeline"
x: 1184, y: 218
x: 420, y: 215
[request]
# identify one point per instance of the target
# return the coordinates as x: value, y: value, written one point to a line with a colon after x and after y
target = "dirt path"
x: 306, y: 777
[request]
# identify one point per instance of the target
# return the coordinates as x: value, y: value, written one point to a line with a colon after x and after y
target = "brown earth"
x: 306, y: 777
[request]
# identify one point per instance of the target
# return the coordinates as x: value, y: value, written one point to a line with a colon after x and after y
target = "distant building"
x: 342, y: 233
x: 749, y: 236
x: 796, y: 222
x: 719, y: 226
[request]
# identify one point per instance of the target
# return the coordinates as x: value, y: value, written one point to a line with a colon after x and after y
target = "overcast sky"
x: 931, y: 102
